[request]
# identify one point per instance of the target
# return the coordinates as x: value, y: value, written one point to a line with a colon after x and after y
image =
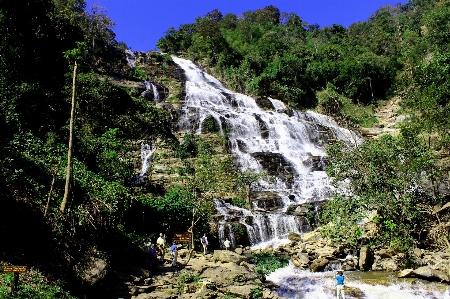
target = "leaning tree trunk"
x: 249, y: 200
x: 62, y: 208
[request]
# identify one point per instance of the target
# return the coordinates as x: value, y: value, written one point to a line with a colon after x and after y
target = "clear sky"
x: 141, y: 23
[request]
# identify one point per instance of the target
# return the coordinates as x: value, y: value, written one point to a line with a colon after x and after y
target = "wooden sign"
x: 15, y: 269
x: 182, y: 237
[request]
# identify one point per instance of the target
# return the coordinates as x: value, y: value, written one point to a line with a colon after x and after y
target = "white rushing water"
x: 289, y: 145
x: 151, y: 88
x: 300, y: 284
x: 294, y: 142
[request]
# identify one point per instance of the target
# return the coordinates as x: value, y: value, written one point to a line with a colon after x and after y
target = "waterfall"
x: 146, y: 157
x: 131, y: 58
x: 296, y: 284
x: 289, y: 145
x: 151, y: 88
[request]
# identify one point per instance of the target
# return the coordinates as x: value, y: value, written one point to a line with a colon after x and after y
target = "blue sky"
x: 141, y: 23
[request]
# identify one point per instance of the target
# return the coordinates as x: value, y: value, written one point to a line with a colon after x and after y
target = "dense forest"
x: 55, y: 53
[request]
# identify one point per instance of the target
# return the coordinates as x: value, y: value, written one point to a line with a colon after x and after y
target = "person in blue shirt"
x: 154, y: 257
x: 174, y: 253
x: 340, y: 284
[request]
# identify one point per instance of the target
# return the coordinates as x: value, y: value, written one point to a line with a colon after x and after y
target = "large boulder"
x: 318, y: 265
x: 387, y: 264
x: 95, y: 272
x: 227, y: 256
x: 428, y: 273
x: 239, y: 291
x: 365, y: 258
x: 312, y: 236
x: 294, y: 237
x: 405, y: 273
x: 326, y: 251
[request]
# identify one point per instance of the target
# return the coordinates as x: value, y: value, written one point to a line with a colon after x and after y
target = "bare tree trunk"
x: 69, y: 153
x: 51, y: 190
x: 249, y: 200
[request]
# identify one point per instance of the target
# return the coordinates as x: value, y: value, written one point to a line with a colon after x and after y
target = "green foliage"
x: 330, y: 102
x: 239, y: 202
x: 386, y: 176
x: 239, y: 230
x: 210, y: 125
x: 30, y: 286
x: 267, y: 262
x: 256, y: 293
x: 138, y: 73
x: 188, y: 148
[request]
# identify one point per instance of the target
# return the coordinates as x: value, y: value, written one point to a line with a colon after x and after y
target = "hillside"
x: 387, y: 74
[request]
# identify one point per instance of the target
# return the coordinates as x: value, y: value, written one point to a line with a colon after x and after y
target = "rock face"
x: 365, y: 258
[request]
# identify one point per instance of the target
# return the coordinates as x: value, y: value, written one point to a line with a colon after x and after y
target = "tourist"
x: 147, y: 245
x: 227, y: 244
x: 161, y: 244
x: 154, y: 257
x: 340, y: 284
x: 174, y: 253
x: 204, y: 241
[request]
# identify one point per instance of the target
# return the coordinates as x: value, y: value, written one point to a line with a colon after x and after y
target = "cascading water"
x: 294, y: 141
x: 151, y: 88
x: 147, y: 152
x: 289, y: 145
x: 300, y: 284
x: 131, y: 58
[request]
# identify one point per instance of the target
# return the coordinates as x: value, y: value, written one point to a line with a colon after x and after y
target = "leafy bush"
x: 267, y: 262
x: 138, y: 73
x: 238, y: 202
x: 188, y: 148
x: 30, y: 286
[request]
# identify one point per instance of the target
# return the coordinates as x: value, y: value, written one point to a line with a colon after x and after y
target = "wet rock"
x: 264, y: 103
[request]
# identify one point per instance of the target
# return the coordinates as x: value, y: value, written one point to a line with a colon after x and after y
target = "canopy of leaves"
x: 387, y: 177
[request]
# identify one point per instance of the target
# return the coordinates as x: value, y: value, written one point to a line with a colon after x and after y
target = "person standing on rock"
x: 174, y: 253
x: 161, y: 243
x: 227, y: 244
x: 340, y: 284
x: 204, y: 241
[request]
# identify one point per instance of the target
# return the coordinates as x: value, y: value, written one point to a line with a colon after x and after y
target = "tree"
x: 388, y: 177
x: 71, y: 55
x: 248, y: 179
